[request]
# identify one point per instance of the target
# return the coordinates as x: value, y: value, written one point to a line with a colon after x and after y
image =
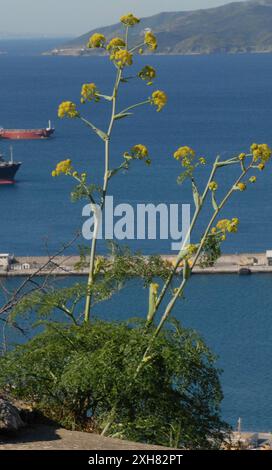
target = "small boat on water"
x: 245, y: 272
x: 24, y: 134
x: 9, y: 169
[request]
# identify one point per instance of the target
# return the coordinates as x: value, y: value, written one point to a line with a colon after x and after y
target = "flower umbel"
x: 63, y: 167
x: 96, y: 40
x: 240, y: 187
x: 151, y: 41
x: 226, y: 225
x: 139, y: 151
x: 159, y: 99
x: 89, y: 92
x: 261, y: 152
x: 233, y: 225
x: 185, y: 154
x: 122, y: 58
x: 116, y: 43
x: 252, y: 179
x: 191, y: 250
x: 129, y: 19
x: 67, y: 109
x: 148, y: 74
x: 213, y: 186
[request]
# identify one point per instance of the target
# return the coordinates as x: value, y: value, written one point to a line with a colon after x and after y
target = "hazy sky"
x: 74, y: 17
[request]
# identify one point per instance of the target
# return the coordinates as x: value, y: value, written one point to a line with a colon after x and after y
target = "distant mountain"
x: 6, y: 35
x: 233, y: 28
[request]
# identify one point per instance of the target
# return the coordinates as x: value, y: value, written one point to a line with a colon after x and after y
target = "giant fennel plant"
x: 147, y: 382
x: 207, y: 250
x: 121, y: 56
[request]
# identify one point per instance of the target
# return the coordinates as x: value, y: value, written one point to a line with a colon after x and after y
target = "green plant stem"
x: 126, y: 36
x: 110, y: 421
x: 135, y: 106
x: 90, y: 282
x: 86, y: 189
x: 137, y: 47
x: 67, y: 312
x: 187, y: 237
x: 181, y: 288
x: 97, y: 131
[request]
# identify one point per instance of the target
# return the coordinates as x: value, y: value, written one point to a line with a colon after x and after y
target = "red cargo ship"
x: 16, y: 134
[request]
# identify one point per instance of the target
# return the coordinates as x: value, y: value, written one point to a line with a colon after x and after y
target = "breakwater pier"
x: 243, y: 263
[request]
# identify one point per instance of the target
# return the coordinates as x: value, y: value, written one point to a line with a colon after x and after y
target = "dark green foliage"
x: 84, y: 378
x: 186, y: 174
x: 211, y: 251
x: 121, y: 265
x: 83, y: 191
x: 111, y: 275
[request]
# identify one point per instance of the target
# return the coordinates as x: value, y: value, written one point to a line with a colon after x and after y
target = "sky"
x: 75, y: 17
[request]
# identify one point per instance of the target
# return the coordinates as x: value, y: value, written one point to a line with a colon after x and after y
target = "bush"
x: 84, y: 378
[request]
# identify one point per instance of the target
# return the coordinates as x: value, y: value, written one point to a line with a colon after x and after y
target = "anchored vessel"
x: 9, y: 169
x: 17, y: 134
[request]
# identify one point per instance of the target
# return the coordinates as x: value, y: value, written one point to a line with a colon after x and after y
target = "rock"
x: 10, y: 420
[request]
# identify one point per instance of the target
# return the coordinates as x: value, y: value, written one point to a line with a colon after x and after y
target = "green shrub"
x: 84, y: 378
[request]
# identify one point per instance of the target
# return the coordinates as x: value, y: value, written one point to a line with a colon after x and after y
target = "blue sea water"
x: 218, y: 105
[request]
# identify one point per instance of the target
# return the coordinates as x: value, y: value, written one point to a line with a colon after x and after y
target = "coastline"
x: 79, y: 52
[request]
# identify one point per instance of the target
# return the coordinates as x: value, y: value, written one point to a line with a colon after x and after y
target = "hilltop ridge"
x: 232, y: 28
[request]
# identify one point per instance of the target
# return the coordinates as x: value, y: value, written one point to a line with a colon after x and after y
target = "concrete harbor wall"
x: 243, y: 263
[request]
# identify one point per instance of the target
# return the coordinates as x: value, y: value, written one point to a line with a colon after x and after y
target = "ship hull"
x: 24, y: 134
x: 8, y: 172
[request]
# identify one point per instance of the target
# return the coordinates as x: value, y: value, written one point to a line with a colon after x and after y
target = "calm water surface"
x: 217, y: 104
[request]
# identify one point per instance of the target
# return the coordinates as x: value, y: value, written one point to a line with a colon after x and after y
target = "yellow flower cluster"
x: 202, y: 161
x: 191, y: 249
x: 96, y: 40
x: 184, y: 153
x: 159, y: 99
x: 122, y: 57
x: 151, y: 41
x: 67, y: 109
x: 148, y: 73
x: 233, y: 225
x: 116, y: 43
x: 252, y: 179
x: 242, y: 156
x: 226, y: 225
x: 261, y: 152
x: 89, y: 92
x: 139, y: 151
x: 129, y: 19
x: 63, y: 167
x: 213, y: 186
x: 241, y: 187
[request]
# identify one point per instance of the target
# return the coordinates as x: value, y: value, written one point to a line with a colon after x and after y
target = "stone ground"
x: 51, y: 438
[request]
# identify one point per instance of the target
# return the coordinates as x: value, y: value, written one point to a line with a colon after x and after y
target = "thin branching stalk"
x: 135, y: 106
x: 187, y: 237
x: 180, y: 290
x: 104, y: 194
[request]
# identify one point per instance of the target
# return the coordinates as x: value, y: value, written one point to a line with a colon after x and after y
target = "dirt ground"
x: 50, y: 438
